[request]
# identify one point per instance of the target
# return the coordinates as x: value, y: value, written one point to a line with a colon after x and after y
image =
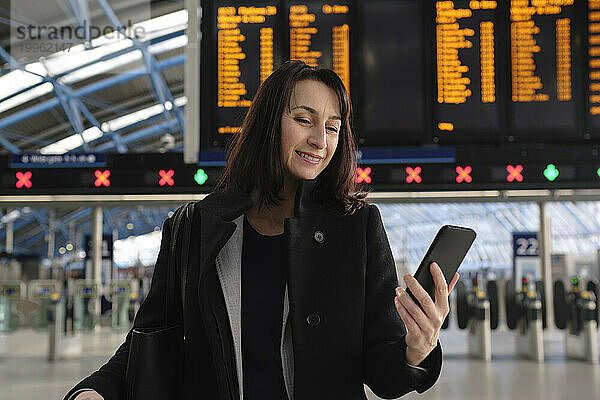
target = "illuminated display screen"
x: 392, y: 101
x: 44, y: 291
x: 467, y: 167
x: 466, y: 98
x: 87, y: 290
x: 247, y: 50
x: 120, y: 290
x: 320, y: 35
x: 448, y: 72
x: 542, y: 48
x: 593, y: 52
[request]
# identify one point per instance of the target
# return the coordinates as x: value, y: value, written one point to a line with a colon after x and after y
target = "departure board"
x: 391, y: 103
x: 320, y: 35
x: 593, y: 51
x: 248, y: 50
x: 466, y: 105
x: 440, y: 72
x: 542, y: 48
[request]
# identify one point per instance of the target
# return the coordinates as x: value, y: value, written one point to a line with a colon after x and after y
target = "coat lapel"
x: 229, y: 271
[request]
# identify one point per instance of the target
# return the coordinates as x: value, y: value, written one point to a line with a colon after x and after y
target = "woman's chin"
x: 306, y: 175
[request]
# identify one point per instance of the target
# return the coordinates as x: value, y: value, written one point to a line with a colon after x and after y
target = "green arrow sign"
x: 200, y: 177
x: 551, y: 172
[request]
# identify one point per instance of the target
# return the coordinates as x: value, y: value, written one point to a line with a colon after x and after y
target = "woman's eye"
x: 333, y: 129
x: 302, y: 120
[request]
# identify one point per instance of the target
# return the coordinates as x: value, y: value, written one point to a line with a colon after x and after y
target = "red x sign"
x: 362, y: 175
x: 514, y: 173
x: 464, y: 174
x: 102, y: 178
x: 23, y: 179
x: 413, y: 174
x: 166, y: 177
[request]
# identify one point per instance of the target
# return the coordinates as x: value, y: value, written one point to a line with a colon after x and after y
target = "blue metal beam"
x: 106, y: 57
x: 100, y: 85
x: 80, y: 7
x: 25, y: 219
x: 71, y: 112
x: 18, y: 224
x: 77, y: 105
x: 30, y: 241
x: 160, y: 86
x: 143, y: 133
x: 128, y: 128
x: 146, y: 220
x: 569, y: 211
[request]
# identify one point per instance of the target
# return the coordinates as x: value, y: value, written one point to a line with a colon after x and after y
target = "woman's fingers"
x: 422, y: 320
x: 453, y: 282
x: 409, y: 321
x: 441, y: 288
x: 421, y: 295
x: 89, y: 395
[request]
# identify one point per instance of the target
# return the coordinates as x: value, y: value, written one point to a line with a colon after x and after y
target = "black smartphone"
x: 448, y: 250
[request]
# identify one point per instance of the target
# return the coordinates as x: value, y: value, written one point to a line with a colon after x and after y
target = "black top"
x: 263, y: 288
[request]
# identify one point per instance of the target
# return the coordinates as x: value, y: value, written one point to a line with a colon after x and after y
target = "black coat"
x: 348, y: 279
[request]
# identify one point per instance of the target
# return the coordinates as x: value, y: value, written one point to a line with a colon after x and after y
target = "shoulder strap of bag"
x: 183, y: 216
x: 185, y: 251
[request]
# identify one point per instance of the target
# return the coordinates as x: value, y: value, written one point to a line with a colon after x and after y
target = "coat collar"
x: 230, y: 205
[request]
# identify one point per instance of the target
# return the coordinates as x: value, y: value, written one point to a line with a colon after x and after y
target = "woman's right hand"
x: 89, y: 395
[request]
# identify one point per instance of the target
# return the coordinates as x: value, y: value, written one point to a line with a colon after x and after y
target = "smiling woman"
x: 309, y: 130
x: 308, y: 135
x: 290, y: 284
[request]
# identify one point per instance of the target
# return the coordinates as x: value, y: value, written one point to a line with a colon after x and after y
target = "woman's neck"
x: 270, y: 220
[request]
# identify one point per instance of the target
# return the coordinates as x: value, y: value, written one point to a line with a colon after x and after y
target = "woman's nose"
x: 318, y: 136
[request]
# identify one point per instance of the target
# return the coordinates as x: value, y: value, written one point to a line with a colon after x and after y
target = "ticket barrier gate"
x: 40, y: 292
x: 576, y: 313
x: 473, y: 313
x: 524, y: 315
x: 593, y: 287
x: 86, y: 304
x: 51, y: 318
x: 11, y: 292
x: 121, y: 297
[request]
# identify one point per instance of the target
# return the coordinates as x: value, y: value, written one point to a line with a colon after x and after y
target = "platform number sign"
x: 527, y: 247
x: 526, y: 257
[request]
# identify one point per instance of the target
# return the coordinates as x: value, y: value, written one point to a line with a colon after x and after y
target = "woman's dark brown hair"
x: 254, y: 154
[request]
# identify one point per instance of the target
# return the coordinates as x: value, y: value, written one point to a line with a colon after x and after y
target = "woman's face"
x: 310, y: 128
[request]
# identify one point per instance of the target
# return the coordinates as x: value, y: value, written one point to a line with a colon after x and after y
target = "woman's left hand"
x: 423, y: 328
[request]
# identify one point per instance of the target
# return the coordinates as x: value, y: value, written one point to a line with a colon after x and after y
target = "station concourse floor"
x: 25, y: 374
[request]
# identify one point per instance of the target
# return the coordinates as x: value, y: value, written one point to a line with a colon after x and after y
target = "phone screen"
x: 448, y: 250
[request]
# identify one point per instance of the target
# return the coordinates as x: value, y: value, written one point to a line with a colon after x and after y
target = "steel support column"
x: 51, y: 234
x: 97, y: 245
x: 545, y: 243
x: 191, y: 79
x: 9, y: 234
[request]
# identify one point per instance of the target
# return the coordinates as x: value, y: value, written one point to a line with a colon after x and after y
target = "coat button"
x: 313, y: 319
x: 319, y: 237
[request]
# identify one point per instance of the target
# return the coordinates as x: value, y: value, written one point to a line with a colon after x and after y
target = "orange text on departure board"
x: 526, y: 85
x: 453, y: 80
x: 302, y: 29
x: 230, y: 88
x: 488, y: 72
x: 594, y: 55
